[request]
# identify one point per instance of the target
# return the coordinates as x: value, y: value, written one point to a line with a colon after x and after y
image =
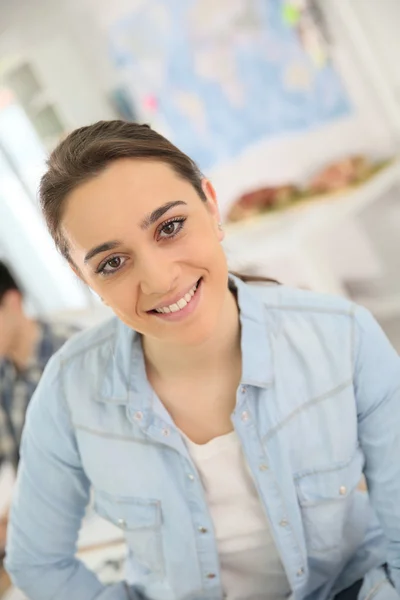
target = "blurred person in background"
x: 26, y: 345
x: 224, y: 427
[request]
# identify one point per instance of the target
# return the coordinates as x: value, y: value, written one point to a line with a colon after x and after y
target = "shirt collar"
x: 122, y: 354
x: 125, y: 378
x: 256, y: 329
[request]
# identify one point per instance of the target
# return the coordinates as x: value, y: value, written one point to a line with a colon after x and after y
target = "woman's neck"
x: 219, y: 351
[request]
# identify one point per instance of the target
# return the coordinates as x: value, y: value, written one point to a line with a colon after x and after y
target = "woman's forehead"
x: 121, y: 197
x: 137, y: 184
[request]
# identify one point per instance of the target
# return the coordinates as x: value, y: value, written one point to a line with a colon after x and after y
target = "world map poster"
x: 223, y: 75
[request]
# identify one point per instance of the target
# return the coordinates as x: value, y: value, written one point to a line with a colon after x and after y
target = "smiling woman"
x: 223, y: 427
x: 139, y: 236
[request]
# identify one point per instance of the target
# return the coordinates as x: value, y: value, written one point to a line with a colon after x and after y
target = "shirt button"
x: 165, y: 432
x: 121, y: 523
x: 211, y: 575
x: 263, y: 467
x: 245, y: 416
x: 283, y: 523
x: 191, y: 477
x: 300, y: 572
x: 203, y: 529
x: 342, y: 490
x: 243, y: 389
x: 138, y: 416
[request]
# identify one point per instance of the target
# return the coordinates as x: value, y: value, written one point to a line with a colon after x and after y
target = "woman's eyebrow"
x: 101, y: 248
x: 158, y: 213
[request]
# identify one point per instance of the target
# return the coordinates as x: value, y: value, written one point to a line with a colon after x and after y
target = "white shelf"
x: 296, y: 236
x: 319, y: 210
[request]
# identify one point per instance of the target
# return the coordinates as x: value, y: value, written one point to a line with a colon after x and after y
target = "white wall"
x: 49, y: 34
x: 380, y: 22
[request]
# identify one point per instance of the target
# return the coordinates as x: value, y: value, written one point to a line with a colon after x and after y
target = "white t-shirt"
x: 250, y: 565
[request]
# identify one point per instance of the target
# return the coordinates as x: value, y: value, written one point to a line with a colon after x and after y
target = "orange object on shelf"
x: 341, y: 174
x: 338, y: 176
x: 261, y: 200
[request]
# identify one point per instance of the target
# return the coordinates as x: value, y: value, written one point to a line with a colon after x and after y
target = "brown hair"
x: 87, y: 151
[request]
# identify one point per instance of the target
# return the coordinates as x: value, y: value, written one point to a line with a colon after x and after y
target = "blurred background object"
x: 291, y: 107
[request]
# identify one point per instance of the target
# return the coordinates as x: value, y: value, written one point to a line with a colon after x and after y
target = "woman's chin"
x: 198, y: 332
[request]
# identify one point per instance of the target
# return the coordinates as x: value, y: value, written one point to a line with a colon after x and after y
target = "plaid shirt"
x: 17, y: 387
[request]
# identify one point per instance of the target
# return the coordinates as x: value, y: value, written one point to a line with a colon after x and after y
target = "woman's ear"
x: 212, y: 206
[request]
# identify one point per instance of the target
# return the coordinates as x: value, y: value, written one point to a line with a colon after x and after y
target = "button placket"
x: 242, y: 410
x: 283, y: 523
x: 202, y: 529
x: 280, y: 525
x: 137, y: 417
x: 245, y: 416
x: 202, y: 523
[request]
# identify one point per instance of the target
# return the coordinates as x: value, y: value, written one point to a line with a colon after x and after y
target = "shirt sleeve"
x: 377, y: 389
x: 52, y: 492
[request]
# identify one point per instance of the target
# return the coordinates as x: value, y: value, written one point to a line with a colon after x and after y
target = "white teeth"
x: 182, y: 303
x: 179, y: 304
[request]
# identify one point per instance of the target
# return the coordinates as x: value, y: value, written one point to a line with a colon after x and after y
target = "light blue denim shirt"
x: 318, y: 405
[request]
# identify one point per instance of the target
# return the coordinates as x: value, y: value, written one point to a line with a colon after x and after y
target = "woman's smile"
x: 183, y: 305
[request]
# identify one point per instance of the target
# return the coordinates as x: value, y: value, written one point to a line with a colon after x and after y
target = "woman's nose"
x: 157, y: 277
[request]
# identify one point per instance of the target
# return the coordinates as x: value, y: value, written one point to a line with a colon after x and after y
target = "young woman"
x: 225, y: 427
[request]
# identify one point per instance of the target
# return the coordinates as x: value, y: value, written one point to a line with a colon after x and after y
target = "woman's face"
x: 143, y: 240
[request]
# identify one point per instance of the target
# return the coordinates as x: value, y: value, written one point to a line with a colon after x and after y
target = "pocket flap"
x: 128, y: 513
x: 332, y: 484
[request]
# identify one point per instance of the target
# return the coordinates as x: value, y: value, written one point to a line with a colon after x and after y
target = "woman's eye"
x: 111, y: 265
x: 114, y: 263
x: 171, y: 228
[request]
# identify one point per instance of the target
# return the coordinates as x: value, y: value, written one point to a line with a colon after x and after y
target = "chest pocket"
x: 326, y: 500
x: 140, y: 520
